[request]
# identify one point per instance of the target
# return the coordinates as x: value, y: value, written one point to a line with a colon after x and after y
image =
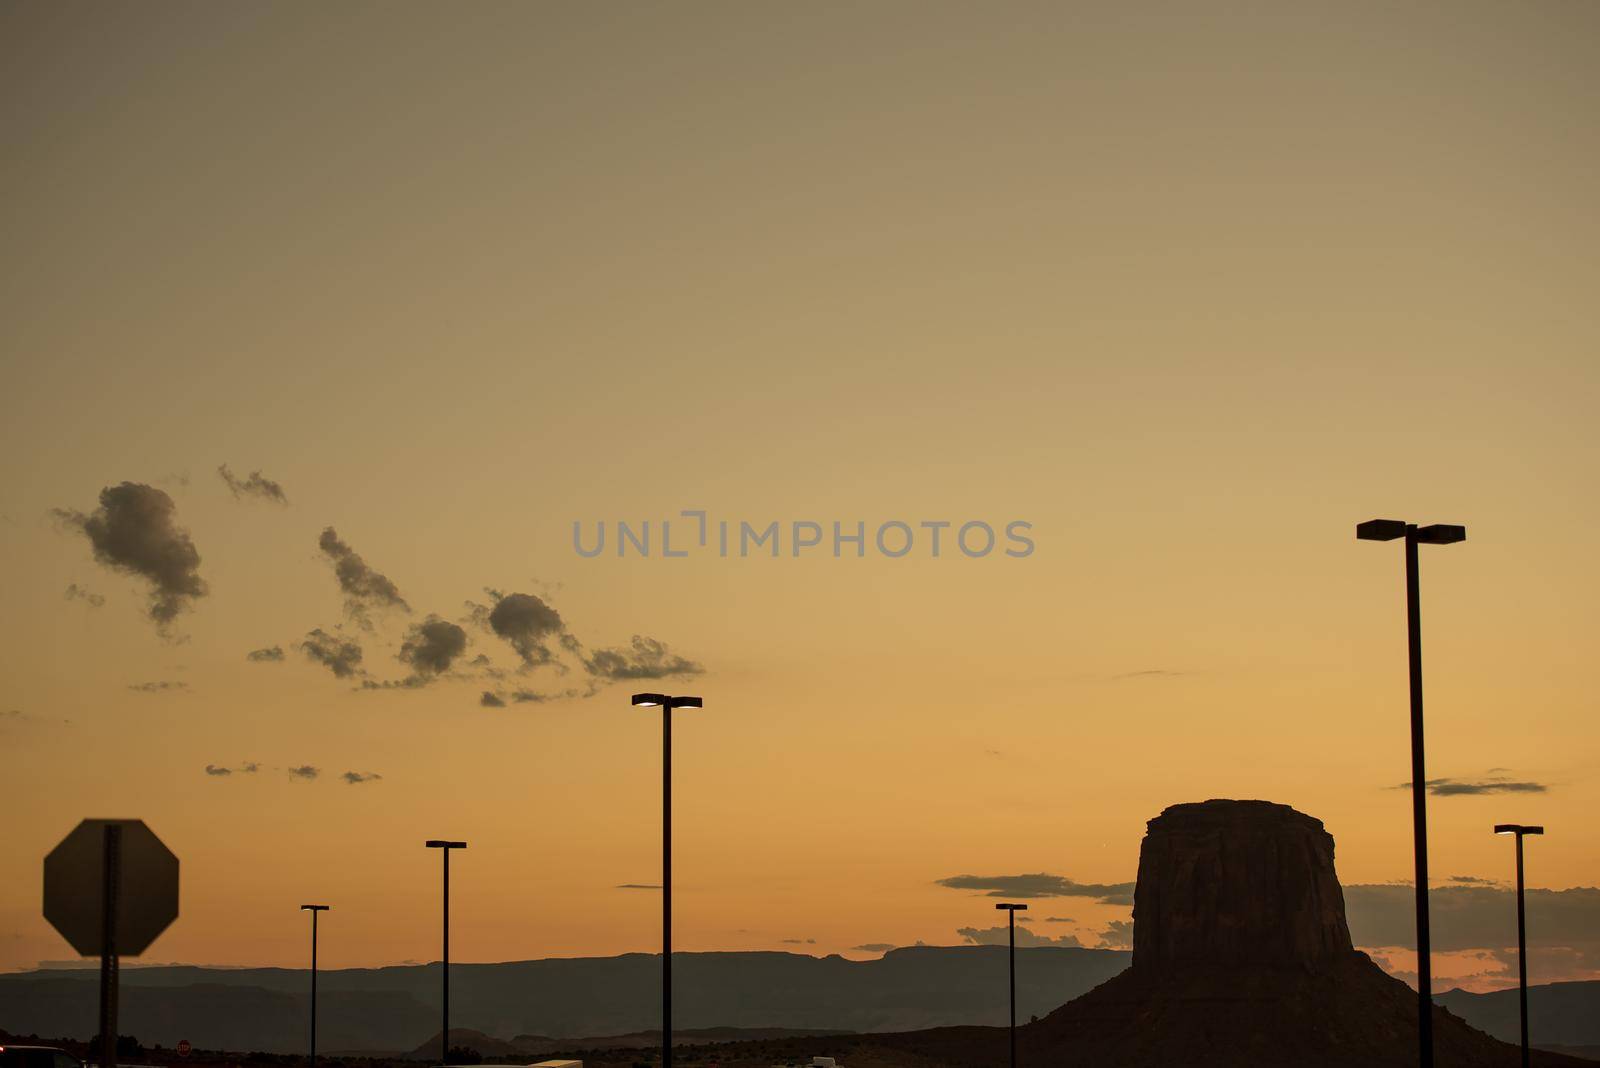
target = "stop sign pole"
x: 110, y: 888
x: 109, y: 976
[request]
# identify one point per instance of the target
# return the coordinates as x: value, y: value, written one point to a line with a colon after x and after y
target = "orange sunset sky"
x: 1191, y: 289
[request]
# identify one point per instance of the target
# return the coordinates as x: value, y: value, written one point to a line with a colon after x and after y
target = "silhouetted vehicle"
x: 37, y: 1057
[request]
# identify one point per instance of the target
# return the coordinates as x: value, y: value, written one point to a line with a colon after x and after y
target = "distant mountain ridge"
x: 396, y: 1008
x: 1559, y: 1014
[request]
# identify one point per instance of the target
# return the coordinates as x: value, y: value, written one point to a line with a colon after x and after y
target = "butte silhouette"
x: 1241, y: 958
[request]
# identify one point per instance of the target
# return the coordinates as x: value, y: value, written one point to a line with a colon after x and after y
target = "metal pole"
x: 313, y: 988
x: 444, y: 1033
x: 1419, y: 806
x: 1522, y: 954
x: 1012, y: 913
x: 111, y: 885
x: 666, y: 885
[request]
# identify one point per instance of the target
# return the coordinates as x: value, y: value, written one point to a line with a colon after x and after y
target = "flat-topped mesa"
x: 1237, y: 883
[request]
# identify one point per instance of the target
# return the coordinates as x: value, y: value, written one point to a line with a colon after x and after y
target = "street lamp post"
x: 1435, y: 534
x: 313, y: 909
x: 1011, y: 914
x: 667, y: 703
x: 444, y: 964
x: 1522, y: 928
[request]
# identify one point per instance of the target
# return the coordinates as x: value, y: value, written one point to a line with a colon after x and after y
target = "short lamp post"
x: 1011, y: 915
x: 444, y: 963
x: 313, y: 909
x: 667, y: 704
x: 1521, y: 832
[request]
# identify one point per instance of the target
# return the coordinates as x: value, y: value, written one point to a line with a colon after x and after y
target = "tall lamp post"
x: 444, y: 964
x: 1436, y: 534
x: 667, y: 703
x: 1011, y: 915
x: 1522, y: 928
x: 313, y: 909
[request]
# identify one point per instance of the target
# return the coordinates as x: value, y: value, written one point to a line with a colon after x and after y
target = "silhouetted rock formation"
x: 1241, y: 958
x: 1237, y: 883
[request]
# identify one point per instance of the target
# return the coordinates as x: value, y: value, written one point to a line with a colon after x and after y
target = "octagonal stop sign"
x: 75, y: 884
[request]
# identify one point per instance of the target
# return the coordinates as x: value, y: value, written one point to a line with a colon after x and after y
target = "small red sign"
x: 184, y: 1047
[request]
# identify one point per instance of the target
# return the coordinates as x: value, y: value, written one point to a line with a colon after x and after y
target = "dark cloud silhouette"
x: 1473, y: 880
x: 304, y: 771
x: 874, y: 947
x: 342, y: 656
x: 163, y: 686
x: 1151, y: 673
x: 523, y: 697
x: 76, y: 592
x: 134, y: 531
x: 638, y: 886
x: 1494, y: 785
x: 249, y: 767
x: 491, y: 700
x: 528, y: 624
x: 798, y: 941
x: 1001, y: 936
x: 270, y: 655
x: 1059, y: 919
x: 644, y: 658
x: 432, y: 646
x: 356, y: 777
x: 364, y: 589
x: 253, y: 486
x: 1117, y: 935
x: 1041, y: 884
x: 1464, y: 917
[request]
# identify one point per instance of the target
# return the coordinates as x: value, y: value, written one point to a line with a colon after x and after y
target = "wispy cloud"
x: 1001, y: 935
x: 1040, y: 884
x: 874, y: 947
x: 364, y: 588
x: 254, y: 485
x: 637, y: 886
x: 356, y: 777
x: 272, y: 654
x: 1468, y: 788
x: 642, y: 658
x: 1117, y: 935
x: 305, y: 772
x: 160, y: 686
x: 76, y: 592
x: 340, y: 655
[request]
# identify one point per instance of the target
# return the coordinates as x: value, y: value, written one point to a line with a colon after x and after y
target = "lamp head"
x: 441, y: 843
x: 1381, y: 530
x: 649, y: 700
x: 1441, y: 534
x: 687, y: 702
x: 1012, y: 908
x: 313, y: 908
